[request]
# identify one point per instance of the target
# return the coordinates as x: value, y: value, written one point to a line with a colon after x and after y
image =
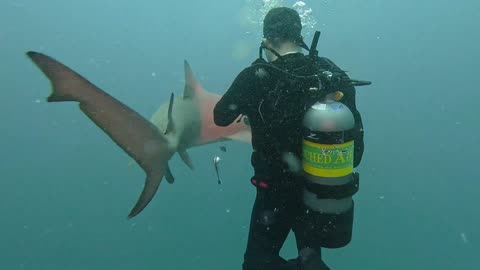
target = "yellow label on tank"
x: 328, y: 160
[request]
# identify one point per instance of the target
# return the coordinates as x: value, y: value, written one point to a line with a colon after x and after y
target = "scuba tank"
x: 328, y: 160
x: 328, y: 153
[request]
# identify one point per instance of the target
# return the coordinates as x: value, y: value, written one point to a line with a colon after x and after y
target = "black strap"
x: 313, y: 48
x: 335, y: 192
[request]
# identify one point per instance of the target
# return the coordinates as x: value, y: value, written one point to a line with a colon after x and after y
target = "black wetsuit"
x: 275, y: 105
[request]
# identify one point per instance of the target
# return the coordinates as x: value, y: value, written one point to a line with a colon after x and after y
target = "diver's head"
x: 282, y: 29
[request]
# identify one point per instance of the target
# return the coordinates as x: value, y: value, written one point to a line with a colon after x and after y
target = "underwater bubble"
x: 254, y: 12
x: 299, y: 4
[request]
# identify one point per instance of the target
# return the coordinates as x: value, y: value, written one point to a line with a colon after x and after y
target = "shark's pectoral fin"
x: 169, y: 175
x: 186, y: 158
x: 170, y: 124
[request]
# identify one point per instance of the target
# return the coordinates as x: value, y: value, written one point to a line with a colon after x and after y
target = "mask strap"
x: 262, y: 46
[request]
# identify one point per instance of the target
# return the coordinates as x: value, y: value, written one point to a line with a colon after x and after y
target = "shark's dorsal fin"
x: 170, y: 124
x: 192, y: 86
x: 186, y: 158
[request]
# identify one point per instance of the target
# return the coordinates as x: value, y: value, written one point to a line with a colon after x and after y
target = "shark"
x: 182, y: 123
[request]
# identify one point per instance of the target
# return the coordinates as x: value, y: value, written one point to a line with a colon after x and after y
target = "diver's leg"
x: 269, y: 227
x: 309, y: 249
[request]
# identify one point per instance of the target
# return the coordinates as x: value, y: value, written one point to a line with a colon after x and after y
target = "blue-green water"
x: 66, y: 188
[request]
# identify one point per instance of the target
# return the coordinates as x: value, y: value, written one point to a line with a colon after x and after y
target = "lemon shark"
x: 178, y: 125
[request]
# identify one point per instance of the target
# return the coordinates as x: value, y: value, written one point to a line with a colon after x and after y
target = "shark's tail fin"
x: 64, y: 81
x: 137, y: 136
x: 152, y: 182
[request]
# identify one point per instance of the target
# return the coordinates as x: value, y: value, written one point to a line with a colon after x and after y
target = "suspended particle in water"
x: 261, y: 73
x: 267, y: 218
x: 232, y: 107
x: 464, y: 238
x: 294, y: 164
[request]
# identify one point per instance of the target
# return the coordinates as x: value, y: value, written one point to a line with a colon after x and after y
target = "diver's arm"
x: 234, y: 101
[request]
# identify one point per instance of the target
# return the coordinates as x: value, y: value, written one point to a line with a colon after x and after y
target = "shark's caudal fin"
x: 138, y: 137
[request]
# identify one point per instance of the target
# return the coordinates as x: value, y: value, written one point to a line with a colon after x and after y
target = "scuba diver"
x: 273, y: 97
